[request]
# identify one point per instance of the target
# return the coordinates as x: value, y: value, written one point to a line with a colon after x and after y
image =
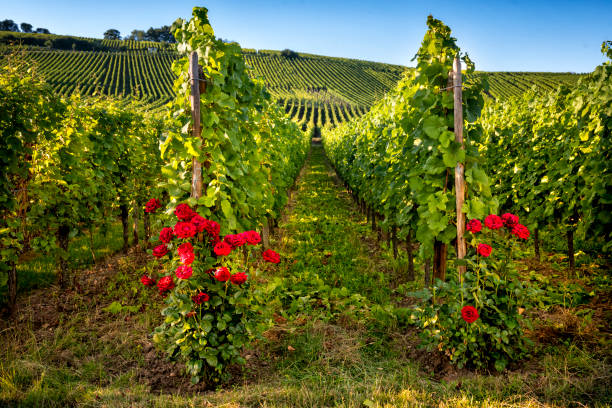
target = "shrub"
x: 210, y: 313
x: 476, y: 319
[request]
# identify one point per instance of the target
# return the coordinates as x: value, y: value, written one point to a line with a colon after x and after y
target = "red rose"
x: 474, y: 226
x: 160, y: 251
x: 184, y: 272
x: 222, y: 274
x: 199, y: 222
x: 165, y: 284
x: 235, y: 240
x: 184, y: 230
x: 147, y: 281
x: 152, y: 205
x: 251, y: 237
x: 469, y: 314
x: 187, y: 258
x: 166, y: 235
x: 520, y: 231
x: 222, y: 249
x: 183, y: 212
x: 185, y: 248
x: 493, y: 222
x: 200, y: 298
x: 510, y: 220
x: 484, y: 250
x: 213, y: 228
x: 271, y: 256
x: 238, y: 278
x: 186, y: 254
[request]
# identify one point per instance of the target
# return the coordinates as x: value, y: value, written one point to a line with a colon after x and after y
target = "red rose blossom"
x: 484, y: 250
x: 184, y: 230
x: 235, y: 241
x: 160, y: 251
x: 187, y: 258
x: 166, y: 235
x: 222, y: 274
x: 222, y: 249
x: 212, y: 227
x: 152, y: 205
x: 251, y: 237
x: 493, y: 222
x: 520, y: 231
x: 510, y: 220
x: 271, y: 256
x: 238, y: 278
x: 199, y: 222
x: 469, y: 314
x: 165, y: 284
x: 200, y: 298
x: 184, y: 272
x: 474, y: 226
x: 185, y: 247
x: 148, y: 281
x: 184, y: 212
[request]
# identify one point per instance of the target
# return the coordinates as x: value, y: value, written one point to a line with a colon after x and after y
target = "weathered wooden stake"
x: 266, y: 233
x: 459, y: 169
x: 194, y: 99
x: 439, y: 261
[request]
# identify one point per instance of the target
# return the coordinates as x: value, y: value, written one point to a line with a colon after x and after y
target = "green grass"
x: 38, y: 270
x: 328, y: 347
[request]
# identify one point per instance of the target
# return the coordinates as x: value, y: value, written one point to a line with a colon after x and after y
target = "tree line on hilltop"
x: 160, y: 34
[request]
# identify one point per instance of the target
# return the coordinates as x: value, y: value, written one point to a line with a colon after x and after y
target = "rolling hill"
x: 311, y: 88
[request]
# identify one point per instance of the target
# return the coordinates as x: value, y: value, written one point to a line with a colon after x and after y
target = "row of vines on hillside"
x: 225, y: 184
x: 400, y: 161
x: 551, y: 156
x: 399, y: 158
x: 68, y: 166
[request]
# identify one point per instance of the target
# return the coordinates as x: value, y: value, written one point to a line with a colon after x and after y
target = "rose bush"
x: 210, y: 312
x: 476, y: 319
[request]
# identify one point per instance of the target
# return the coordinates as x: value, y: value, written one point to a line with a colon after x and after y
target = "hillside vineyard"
x: 312, y: 89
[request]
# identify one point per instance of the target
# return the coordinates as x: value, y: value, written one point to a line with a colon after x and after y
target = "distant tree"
x: 287, y: 53
x: 161, y: 34
x: 112, y: 34
x: 8, y: 25
x: 42, y: 31
x: 26, y: 28
x: 48, y: 44
x: 136, y: 35
x: 165, y: 34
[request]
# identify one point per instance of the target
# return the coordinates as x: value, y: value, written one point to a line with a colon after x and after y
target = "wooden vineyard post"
x: 266, y: 233
x: 459, y: 169
x: 194, y: 99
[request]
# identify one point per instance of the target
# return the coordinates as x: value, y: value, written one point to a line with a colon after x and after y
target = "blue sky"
x: 515, y: 35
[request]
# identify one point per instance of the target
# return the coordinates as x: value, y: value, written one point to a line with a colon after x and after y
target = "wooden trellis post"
x: 459, y: 169
x: 194, y: 99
